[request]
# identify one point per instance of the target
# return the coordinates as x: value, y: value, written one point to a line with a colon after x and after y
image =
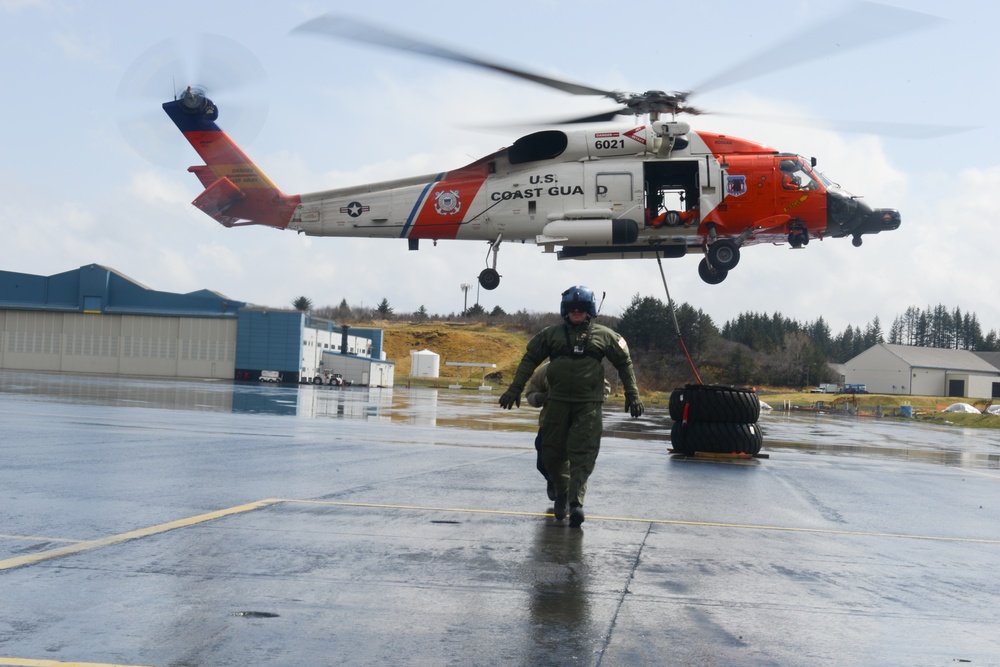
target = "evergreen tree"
x: 303, y: 304
x: 740, y: 366
x: 896, y: 332
x: 383, y: 310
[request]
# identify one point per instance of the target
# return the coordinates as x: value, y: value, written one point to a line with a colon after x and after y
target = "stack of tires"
x: 718, y: 419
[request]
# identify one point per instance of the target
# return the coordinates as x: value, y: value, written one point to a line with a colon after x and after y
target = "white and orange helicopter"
x: 654, y: 189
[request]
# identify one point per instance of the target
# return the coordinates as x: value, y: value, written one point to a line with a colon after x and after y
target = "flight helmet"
x: 578, y: 297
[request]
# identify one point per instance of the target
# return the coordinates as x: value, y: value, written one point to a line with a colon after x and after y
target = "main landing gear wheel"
x: 489, y: 279
x: 709, y: 274
x: 856, y: 241
x: 723, y: 255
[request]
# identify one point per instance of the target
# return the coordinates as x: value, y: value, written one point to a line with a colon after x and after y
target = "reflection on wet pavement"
x: 478, y: 410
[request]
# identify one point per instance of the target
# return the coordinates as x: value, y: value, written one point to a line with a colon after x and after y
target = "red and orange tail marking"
x: 236, y: 190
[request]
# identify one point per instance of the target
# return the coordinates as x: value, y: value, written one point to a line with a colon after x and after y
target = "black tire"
x: 717, y: 438
x: 709, y: 274
x: 489, y: 279
x: 678, y: 441
x: 714, y: 404
x: 723, y: 255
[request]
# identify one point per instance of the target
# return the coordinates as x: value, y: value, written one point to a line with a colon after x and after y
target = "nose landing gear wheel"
x: 489, y: 279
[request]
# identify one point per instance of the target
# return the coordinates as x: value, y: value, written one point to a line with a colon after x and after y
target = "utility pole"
x: 465, y: 289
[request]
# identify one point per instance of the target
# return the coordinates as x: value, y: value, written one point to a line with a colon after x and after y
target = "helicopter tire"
x: 489, y: 279
x: 716, y: 438
x: 711, y: 275
x: 724, y: 255
x: 714, y: 403
x: 857, y: 241
x: 679, y: 443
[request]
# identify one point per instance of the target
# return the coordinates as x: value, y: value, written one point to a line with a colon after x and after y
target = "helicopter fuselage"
x: 657, y: 189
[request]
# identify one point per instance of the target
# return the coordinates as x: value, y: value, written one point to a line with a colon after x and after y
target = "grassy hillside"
x: 454, y: 341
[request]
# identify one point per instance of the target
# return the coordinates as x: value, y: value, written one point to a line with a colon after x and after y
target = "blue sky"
x: 77, y: 191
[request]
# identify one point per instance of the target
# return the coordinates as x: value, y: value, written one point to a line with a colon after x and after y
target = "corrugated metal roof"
x: 936, y: 357
x: 97, y: 288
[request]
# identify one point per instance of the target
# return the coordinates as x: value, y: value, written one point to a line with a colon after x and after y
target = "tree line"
x: 752, y: 348
x: 756, y: 348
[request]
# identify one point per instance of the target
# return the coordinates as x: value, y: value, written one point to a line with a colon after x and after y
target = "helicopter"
x: 656, y: 188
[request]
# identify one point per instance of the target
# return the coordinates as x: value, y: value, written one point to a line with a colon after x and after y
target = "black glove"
x: 510, y: 398
x: 633, y: 405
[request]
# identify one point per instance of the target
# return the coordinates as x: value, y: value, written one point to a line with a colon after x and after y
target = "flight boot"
x: 575, y: 515
x: 560, y: 506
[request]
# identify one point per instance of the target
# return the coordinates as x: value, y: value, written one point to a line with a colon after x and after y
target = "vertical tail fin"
x: 236, y: 192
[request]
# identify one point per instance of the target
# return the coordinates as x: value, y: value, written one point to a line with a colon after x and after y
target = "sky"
x: 79, y: 185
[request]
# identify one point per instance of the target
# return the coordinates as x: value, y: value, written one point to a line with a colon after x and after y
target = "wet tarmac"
x: 165, y: 523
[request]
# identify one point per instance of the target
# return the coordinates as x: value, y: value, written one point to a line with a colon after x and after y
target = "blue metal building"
x: 96, y: 320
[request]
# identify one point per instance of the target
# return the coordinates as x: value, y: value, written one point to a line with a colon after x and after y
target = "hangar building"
x: 924, y: 371
x: 95, y: 320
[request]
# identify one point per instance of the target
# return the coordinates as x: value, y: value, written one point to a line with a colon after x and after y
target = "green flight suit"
x: 571, y: 427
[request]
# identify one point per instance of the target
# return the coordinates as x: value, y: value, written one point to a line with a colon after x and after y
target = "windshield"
x: 795, y: 175
x: 822, y: 178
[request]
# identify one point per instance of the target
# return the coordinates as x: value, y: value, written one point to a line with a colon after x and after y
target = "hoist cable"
x: 673, y: 313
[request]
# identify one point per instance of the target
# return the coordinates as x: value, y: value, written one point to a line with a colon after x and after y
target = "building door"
x: 956, y: 388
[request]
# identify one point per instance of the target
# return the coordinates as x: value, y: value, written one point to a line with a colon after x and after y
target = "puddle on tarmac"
x: 477, y: 410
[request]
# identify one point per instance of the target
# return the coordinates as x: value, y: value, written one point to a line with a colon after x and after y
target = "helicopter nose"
x: 844, y: 213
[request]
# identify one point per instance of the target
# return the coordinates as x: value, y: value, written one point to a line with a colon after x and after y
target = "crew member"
x: 675, y: 218
x: 537, y: 395
x: 572, y: 424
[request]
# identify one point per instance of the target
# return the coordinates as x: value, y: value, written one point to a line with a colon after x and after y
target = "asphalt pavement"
x: 166, y: 523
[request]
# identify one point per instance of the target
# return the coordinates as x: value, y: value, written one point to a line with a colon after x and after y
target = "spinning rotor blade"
x: 341, y: 27
x: 214, y: 64
x: 879, y: 129
x: 857, y: 26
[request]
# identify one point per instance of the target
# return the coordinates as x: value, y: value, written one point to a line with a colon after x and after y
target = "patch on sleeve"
x: 622, y: 344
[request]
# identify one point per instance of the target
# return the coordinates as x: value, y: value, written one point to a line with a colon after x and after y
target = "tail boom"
x: 237, y: 191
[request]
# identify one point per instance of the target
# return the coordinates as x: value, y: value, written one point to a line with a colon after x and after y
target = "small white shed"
x: 424, y: 364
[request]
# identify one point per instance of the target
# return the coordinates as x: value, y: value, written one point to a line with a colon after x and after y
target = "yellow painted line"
x: 87, y: 545
x: 36, y: 538
x: 673, y: 522
x: 23, y: 662
x: 979, y: 472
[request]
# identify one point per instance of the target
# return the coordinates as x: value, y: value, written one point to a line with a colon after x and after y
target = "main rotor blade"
x: 880, y: 129
x: 860, y: 25
x: 342, y: 27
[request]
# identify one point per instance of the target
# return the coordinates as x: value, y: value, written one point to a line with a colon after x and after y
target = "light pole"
x: 465, y: 289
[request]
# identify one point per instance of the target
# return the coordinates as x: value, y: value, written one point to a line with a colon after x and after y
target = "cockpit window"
x: 795, y: 175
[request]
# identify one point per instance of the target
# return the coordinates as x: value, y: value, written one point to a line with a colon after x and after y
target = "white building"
x: 923, y: 371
